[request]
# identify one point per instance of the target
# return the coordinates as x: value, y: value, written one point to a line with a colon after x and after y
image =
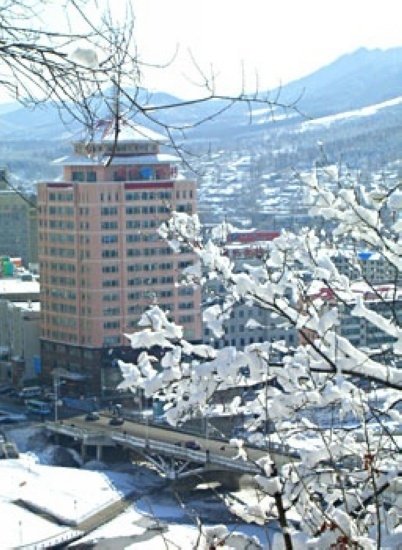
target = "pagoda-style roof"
x: 128, y: 131
x: 80, y: 160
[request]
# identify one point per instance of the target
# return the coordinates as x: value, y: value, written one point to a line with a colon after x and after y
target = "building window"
x: 186, y: 319
x: 107, y: 239
x: 119, y: 174
x: 110, y: 297
x: 110, y: 283
x: 111, y: 340
x: 111, y: 311
x: 77, y: 175
x: 109, y: 211
x: 110, y: 253
x: 109, y: 225
x: 91, y: 176
x: 111, y: 324
x: 110, y: 269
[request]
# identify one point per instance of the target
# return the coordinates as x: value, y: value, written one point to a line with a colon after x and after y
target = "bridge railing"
x: 186, y: 454
x: 145, y: 443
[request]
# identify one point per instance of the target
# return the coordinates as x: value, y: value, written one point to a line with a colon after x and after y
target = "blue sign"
x: 37, y: 363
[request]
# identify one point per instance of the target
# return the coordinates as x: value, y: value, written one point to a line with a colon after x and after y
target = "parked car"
x: 12, y: 418
x: 29, y: 392
x: 12, y: 392
x: 193, y: 445
x: 91, y: 416
x: 116, y: 421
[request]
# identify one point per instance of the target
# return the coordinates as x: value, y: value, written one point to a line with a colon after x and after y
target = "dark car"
x: 193, y: 445
x: 92, y: 416
x: 116, y: 421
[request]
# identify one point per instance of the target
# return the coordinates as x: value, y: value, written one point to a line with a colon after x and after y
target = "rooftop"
x: 102, y: 160
x: 13, y: 286
x: 128, y: 131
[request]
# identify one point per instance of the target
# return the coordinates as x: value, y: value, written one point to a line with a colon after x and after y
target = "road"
x: 163, y: 434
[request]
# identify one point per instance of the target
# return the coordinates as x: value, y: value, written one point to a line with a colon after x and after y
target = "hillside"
x: 361, y: 89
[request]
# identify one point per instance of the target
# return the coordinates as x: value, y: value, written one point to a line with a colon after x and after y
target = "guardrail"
x: 146, y: 443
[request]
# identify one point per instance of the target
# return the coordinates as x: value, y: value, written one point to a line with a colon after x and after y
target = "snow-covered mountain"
x: 353, y: 104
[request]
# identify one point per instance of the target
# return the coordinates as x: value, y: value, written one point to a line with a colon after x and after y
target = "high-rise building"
x: 102, y: 262
x: 18, y: 224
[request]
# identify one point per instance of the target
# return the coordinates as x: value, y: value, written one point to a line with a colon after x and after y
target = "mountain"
x: 349, y: 104
x: 355, y: 80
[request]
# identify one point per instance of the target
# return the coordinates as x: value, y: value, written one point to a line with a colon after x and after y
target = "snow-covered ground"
x: 40, y: 501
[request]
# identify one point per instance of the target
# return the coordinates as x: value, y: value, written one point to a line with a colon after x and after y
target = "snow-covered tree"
x: 336, y: 404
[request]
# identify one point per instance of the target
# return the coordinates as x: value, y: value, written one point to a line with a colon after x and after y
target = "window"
x: 133, y: 238
x: 113, y: 297
x: 109, y: 211
x: 91, y: 176
x: 132, y: 196
x: 135, y: 282
x: 110, y: 269
x: 77, y: 175
x: 186, y: 305
x: 110, y: 253
x: 110, y: 283
x: 186, y: 291
x: 111, y: 311
x: 111, y: 324
x: 120, y: 174
x: 135, y: 267
x: 107, y: 239
x: 111, y: 340
x: 133, y: 252
x: 133, y: 224
x: 109, y: 225
x: 185, y: 319
x: 132, y: 210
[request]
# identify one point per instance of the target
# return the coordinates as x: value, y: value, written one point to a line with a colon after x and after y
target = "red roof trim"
x: 149, y: 185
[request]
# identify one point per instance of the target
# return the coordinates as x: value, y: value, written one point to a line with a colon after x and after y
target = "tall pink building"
x: 102, y: 262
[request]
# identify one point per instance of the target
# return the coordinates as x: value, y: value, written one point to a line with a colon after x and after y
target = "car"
x: 92, y: 416
x: 116, y: 421
x: 12, y: 418
x: 193, y: 445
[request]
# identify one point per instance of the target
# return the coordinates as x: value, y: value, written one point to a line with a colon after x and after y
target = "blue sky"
x: 280, y: 40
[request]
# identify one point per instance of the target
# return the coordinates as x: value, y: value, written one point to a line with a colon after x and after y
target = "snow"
x: 41, y: 503
x: 364, y: 112
x: 70, y: 495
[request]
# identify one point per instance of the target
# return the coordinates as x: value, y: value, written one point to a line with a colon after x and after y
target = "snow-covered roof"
x: 78, y: 160
x: 128, y: 131
x: 13, y: 286
x: 28, y: 306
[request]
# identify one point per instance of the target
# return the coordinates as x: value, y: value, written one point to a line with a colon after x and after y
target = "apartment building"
x: 102, y: 262
x: 18, y: 224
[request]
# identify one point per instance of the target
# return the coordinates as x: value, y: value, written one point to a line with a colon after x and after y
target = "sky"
x: 278, y: 40
x: 261, y: 43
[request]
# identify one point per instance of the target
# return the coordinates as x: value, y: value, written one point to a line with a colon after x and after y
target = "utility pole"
x: 56, y: 396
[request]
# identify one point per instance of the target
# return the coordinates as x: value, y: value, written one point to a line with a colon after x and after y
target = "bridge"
x: 166, y: 448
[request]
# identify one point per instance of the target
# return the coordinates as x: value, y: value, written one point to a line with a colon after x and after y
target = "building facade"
x: 18, y: 224
x: 19, y: 328
x: 102, y: 262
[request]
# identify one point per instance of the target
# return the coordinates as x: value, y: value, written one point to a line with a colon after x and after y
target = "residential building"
x: 19, y: 329
x: 18, y: 223
x: 102, y: 261
x: 248, y: 322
